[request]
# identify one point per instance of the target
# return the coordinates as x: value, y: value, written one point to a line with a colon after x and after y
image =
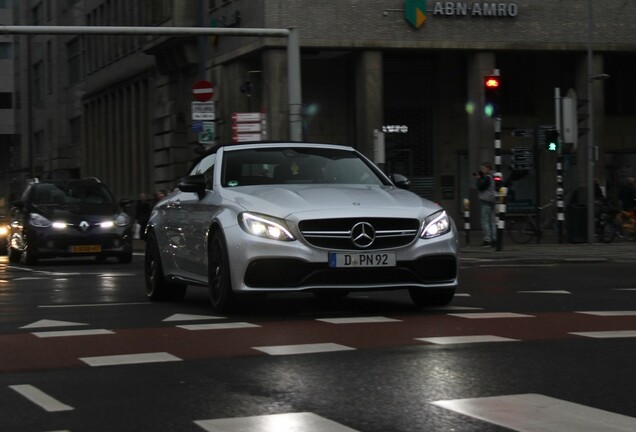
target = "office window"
x: 36, y: 14
x: 5, y: 50
x: 49, y: 66
x: 36, y: 76
x: 74, y: 59
x: 6, y: 100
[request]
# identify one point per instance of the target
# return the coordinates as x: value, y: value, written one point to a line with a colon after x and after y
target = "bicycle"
x: 522, y: 231
x: 626, y: 224
x: 606, y: 228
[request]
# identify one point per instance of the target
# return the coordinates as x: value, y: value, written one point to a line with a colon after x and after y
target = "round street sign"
x: 203, y: 90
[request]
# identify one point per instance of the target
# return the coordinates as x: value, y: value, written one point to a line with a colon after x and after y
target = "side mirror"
x: 193, y: 183
x: 19, y: 204
x: 400, y: 181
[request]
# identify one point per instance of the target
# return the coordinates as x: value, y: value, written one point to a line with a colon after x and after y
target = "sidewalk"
x: 548, y: 251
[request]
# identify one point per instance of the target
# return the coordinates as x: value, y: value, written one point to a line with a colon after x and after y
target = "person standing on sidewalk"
x: 487, y: 198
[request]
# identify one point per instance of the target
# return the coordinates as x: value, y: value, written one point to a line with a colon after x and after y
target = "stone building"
x: 119, y: 107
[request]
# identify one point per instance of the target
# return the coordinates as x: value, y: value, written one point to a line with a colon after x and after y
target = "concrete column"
x: 369, y: 99
x: 599, y: 116
x: 275, y: 98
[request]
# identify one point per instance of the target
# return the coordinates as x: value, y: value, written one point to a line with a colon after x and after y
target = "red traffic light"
x: 491, y: 82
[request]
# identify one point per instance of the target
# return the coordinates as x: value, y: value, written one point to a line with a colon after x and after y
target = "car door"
x: 195, y: 212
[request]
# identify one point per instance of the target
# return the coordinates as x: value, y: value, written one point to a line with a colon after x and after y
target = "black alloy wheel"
x: 157, y: 287
x: 219, y: 283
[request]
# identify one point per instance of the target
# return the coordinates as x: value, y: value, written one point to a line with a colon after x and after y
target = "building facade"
x: 8, y: 101
x: 119, y: 107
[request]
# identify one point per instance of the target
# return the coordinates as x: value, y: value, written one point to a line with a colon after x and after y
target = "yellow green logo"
x: 415, y: 12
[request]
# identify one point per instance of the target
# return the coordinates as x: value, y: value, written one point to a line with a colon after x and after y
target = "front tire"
x: 14, y: 255
x: 520, y: 231
x: 125, y: 258
x: 606, y: 228
x: 625, y: 226
x: 219, y: 284
x: 157, y: 287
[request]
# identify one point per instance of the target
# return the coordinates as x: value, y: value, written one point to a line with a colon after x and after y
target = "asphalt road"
x: 527, y: 347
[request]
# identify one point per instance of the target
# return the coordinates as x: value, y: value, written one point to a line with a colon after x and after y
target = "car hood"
x: 89, y: 212
x: 318, y: 201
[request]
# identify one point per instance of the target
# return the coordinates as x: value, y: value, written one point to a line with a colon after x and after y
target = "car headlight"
x: 122, y: 219
x: 39, y: 221
x: 263, y: 226
x: 435, y: 225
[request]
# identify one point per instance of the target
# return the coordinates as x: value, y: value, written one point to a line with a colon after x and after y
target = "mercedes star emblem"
x: 362, y: 234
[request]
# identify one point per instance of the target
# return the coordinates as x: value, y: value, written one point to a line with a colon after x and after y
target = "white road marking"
x: 608, y: 334
x: 190, y: 317
x: 299, y: 422
x: 127, y: 359
x: 539, y: 413
x: 302, y: 348
x: 465, y: 339
x: 65, y: 333
x: 489, y: 315
x: 40, y: 398
x: 222, y: 326
x: 608, y: 313
x: 516, y: 265
x: 357, y: 320
x: 545, y: 292
x: 52, y: 323
x: 94, y: 305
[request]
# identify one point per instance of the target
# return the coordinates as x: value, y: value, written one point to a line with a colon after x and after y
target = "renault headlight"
x: 122, y: 219
x: 263, y: 226
x: 436, y: 225
x: 39, y: 221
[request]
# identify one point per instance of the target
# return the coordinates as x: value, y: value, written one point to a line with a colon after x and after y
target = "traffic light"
x: 552, y: 143
x: 492, y: 84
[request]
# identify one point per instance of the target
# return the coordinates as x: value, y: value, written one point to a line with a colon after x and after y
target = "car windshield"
x: 296, y: 165
x: 72, y: 193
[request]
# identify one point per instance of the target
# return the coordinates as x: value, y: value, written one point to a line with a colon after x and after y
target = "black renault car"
x: 69, y: 219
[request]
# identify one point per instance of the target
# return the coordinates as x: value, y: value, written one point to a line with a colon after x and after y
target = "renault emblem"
x: 362, y: 234
x: 84, y: 225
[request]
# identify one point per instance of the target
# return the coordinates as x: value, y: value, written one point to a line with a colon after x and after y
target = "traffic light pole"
x: 559, y: 167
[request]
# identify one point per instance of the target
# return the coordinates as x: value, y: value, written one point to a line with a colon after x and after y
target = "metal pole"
x: 201, y: 40
x: 159, y: 31
x: 293, y: 81
x: 590, y: 137
x: 559, y: 165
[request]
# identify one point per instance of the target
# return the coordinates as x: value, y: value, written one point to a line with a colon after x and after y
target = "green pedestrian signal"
x: 552, y: 143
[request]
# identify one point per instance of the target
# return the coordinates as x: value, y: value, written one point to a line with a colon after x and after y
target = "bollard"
x: 501, y: 216
x: 467, y: 220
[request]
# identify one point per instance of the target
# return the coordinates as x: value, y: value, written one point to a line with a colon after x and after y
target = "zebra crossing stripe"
x: 40, y: 398
x: 302, y: 348
x: 535, y: 412
x: 303, y: 421
x: 126, y: 359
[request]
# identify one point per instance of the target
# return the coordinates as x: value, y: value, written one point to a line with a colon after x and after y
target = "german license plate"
x: 86, y: 248
x: 361, y: 259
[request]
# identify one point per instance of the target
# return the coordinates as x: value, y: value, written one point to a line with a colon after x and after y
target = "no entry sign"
x: 203, y: 90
